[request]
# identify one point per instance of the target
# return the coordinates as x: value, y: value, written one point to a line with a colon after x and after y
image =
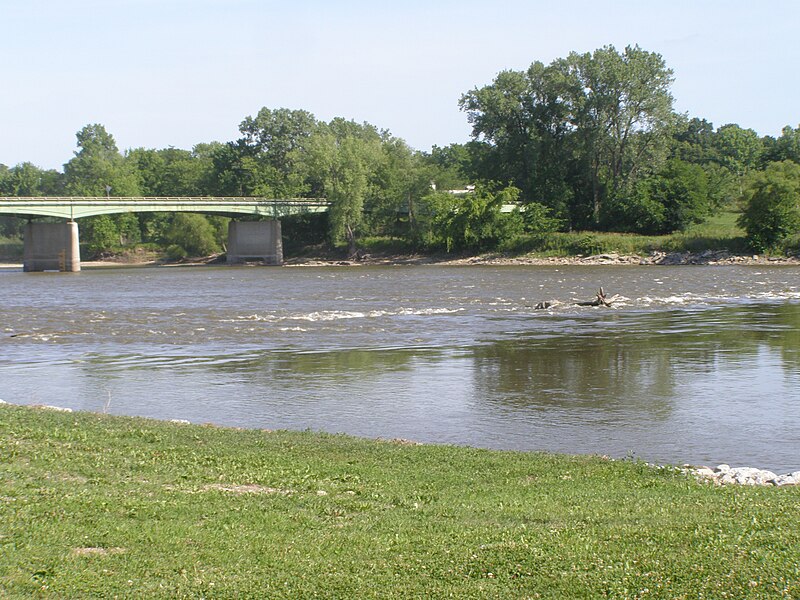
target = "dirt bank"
x: 493, y: 259
x: 655, y: 258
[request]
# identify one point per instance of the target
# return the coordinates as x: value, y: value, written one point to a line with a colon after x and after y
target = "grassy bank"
x: 99, y: 506
x: 719, y: 232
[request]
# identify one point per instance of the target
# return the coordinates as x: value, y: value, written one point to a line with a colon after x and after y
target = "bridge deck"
x: 75, y: 207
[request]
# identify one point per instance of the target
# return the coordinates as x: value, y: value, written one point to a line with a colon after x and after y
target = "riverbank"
x: 100, y: 506
x: 710, y: 257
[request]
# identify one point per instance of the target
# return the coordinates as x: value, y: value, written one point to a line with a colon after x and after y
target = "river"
x: 693, y: 364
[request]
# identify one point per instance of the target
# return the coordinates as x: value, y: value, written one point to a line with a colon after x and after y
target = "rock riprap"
x: 727, y: 475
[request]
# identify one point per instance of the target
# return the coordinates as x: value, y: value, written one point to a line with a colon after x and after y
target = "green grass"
x: 93, y: 506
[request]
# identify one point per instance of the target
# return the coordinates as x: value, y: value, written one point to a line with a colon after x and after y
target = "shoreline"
x: 721, y: 475
x: 708, y: 258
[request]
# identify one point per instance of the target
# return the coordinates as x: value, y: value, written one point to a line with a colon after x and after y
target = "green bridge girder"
x: 76, y: 207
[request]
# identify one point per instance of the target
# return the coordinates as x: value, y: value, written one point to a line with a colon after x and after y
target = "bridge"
x: 54, y: 246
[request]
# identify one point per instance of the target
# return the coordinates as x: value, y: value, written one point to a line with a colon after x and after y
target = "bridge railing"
x: 75, y: 207
x: 165, y: 199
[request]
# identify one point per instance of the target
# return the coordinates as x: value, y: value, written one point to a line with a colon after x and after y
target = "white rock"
x: 705, y: 472
x: 725, y: 475
x: 55, y: 408
x: 744, y: 475
x: 786, y: 480
x: 764, y: 477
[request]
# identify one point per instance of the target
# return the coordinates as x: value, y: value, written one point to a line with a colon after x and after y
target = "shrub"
x: 772, y: 206
x: 194, y: 233
x: 176, y: 252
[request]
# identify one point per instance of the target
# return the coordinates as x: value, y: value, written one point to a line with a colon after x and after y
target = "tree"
x: 522, y: 133
x: 170, y: 171
x: 278, y: 133
x: 191, y: 234
x: 474, y: 221
x: 270, y: 142
x: 341, y: 157
x: 399, y: 179
x: 623, y: 115
x: 450, y: 166
x: 538, y: 219
x: 98, y: 165
x: 739, y: 150
x: 787, y: 146
x: 693, y: 141
x: 772, y: 205
x: 26, y: 179
x: 578, y: 133
x: 681, y: 188
x: 501, y: 114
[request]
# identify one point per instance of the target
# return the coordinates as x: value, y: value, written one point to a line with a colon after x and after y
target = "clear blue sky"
x: 160, y: 73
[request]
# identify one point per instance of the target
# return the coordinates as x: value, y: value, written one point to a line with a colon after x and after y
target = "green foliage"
x: 343, y: 157
x: 98, y: 165
x: 452, y: 166
x: 304, y: 231
x: 171, y: 172
x: 154, y: 226
x: 100, y: 234
x: 474, y: 221
x: 26, y: 179
x: 270, y: 144
x: 738, y: 149
x: 772, y: 206
x: 192, y: 233
x: 672, y: 199
x: 588, y: 245
x: 538, y: 218
x: 10, y: 247
x: 636, y: 211
x: 787, y: 146
x: 693, y: 141
x: 682, y: 189
x: 575, y: 133
x: 176, y: 252
x: 590, y: 141
x: 719, y: 232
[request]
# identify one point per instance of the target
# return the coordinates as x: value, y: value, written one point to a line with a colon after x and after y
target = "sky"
x: 175, y: 73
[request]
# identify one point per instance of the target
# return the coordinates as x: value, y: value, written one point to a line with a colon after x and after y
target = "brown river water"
x: 693, y: 364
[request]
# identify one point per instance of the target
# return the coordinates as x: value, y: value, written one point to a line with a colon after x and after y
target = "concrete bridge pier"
x: 51, y: 247
x: 255, y: 240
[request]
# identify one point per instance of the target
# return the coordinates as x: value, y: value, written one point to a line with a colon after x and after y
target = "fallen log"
x: 599, y: 300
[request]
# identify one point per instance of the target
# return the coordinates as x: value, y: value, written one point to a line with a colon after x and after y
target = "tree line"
x: 589, y: 142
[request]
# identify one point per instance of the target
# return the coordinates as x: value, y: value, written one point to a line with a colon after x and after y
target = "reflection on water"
x: 697, y: 365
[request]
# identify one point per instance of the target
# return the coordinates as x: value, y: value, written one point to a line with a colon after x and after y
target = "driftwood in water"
x: 599, y: 300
